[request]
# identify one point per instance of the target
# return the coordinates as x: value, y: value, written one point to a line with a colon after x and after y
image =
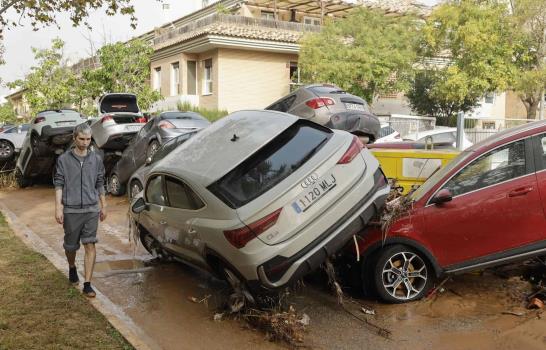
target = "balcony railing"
x: 236, y: 20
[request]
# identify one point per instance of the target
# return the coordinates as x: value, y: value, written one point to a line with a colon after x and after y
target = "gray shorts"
x: 79, y: 227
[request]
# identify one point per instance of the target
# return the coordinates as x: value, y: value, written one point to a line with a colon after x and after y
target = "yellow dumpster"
x: 411, y: 167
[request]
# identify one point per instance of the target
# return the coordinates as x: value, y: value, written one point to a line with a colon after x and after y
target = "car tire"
x: 115, y: 187
x: 6, y: 150
x: 401, y: 274
x: 241, y: 292
x: 21, y: 181
x: 35, y: 144
x: 152, y: 246
x: 134, y: 188
x: 152, y: 148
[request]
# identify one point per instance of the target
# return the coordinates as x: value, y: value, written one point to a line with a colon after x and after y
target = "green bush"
x: 211, y: 114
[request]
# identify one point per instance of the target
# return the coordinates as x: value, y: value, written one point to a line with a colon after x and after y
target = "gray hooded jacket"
x: 81, y: 182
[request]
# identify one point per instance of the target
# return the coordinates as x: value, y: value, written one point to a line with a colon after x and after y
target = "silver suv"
x: 259, y: 197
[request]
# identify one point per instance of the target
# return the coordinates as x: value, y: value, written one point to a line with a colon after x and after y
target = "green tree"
x: 367, y: 53
x: 44, y: 12
x: 427, y: 98
x: 475, y: 36
x: 529, y: 22
x: 125, y: 67
x: 48, y: 85
x: 7, y: 113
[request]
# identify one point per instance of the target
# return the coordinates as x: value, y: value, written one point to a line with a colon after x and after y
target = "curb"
x: 115, y: 315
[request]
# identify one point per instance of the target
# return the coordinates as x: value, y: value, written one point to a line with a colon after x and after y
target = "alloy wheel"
x: 114, y: 184
x: 135, y: 189
x: 404, y: 275
x: 5, y: 150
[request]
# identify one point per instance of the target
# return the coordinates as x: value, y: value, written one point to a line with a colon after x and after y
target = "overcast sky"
x: 19, y: 40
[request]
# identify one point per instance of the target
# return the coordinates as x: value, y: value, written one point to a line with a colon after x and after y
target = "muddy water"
x: 469, y: 314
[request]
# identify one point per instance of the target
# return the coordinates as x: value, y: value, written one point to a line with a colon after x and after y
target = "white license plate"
x: 313, y: 193
x: 354, y: 106
x: 65, y: 123
x: 133, y: 127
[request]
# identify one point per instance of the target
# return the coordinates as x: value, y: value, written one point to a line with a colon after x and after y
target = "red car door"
x: 496, y: 206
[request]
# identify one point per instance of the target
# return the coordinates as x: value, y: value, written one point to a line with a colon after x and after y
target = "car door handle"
x: 520, y: 191
x: 163, y: 222
x: 192, y: 231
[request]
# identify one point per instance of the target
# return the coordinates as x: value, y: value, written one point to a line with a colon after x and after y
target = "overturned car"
x: 259, y: 197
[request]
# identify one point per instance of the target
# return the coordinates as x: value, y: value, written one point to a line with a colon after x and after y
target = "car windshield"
x: 182, y: 115
x: 274, y: 162
x: 171, y: 145
x: 438, y: 175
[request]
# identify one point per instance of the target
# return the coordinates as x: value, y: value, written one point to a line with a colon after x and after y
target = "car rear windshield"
x: 320, y: 90
x: 282, y: 156
x: 64, y: 112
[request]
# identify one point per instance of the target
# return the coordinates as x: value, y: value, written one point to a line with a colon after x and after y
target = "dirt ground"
x: 475, y: 311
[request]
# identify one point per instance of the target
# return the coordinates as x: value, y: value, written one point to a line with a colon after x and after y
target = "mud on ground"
x: 475, y: 311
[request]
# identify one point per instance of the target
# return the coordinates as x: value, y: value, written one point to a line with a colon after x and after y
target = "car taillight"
x: 106, y: 118
x: 354, y: 149
x: 39, y: 120
x: 316, y: 103
x: 241, y: 236
x: 165, y: 125
x: 140, y: 120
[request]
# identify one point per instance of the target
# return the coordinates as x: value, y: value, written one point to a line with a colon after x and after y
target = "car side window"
x: 181, y: 195
x: 496, y: 166
x: 541, y: 151
x: 284, y: 105
x: 154, y: 191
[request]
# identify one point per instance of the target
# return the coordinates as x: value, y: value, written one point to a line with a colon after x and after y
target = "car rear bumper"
x: 280, y: 270
x: 116, y: 137
x: 356, y: 122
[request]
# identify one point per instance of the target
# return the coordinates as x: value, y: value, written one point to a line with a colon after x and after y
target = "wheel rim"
x: 152, y: 149
x: 135, y: 189
x: 114, y: 184
x: 5, y: 149
x: 404, y: 275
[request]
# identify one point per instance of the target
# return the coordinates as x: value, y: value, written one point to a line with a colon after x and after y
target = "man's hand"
x: 59, y: 216
x: 103, y: 214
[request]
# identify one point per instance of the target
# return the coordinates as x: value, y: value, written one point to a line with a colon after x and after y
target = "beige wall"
x: 252, y: 79
x: 514, y: 107
x: 165, y: 65
x: 208, y: 101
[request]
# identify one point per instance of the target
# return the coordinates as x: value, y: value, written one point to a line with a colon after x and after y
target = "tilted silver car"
x: 49, y: 135
x: 118, y: 121
x: 333, y: 107
x: 11, y: 140
x: 125, y: 171
x: 259, y: 197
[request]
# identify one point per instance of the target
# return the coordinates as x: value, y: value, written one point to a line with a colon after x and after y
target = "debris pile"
x: 398, y: 205
x: 7, y: 175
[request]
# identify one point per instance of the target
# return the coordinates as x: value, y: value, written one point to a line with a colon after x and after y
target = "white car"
x: 49, y: 135
x: 259, y: 197
x: 388, y: 134
x: 439, y: 135
x: 118, y: 122
x: 11, y: 140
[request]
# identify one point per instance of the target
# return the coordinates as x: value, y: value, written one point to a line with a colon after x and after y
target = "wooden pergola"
x: 317, y: 7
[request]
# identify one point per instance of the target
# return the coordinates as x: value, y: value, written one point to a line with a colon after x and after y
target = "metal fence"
x: 478, y: 129
x: 408, y: 124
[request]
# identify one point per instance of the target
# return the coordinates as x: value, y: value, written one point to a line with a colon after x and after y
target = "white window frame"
x: 175, y: 79
x: 207, y: 77
x: 314, y: 20
x: 267, y: 15
x: 157, y: 79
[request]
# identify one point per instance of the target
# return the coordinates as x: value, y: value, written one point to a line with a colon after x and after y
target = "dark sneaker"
x: 73, y: 275
x: 88, y: 290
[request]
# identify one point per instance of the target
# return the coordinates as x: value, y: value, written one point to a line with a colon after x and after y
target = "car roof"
x: 424, y: 133
x: 223, y: 145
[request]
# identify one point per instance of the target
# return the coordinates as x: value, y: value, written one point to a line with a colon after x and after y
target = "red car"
x: 485, y: 208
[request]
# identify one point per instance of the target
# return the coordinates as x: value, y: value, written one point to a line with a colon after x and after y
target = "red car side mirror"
x: 443, y: 196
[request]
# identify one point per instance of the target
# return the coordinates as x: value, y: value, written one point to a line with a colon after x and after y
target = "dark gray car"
x: 332, y: 107
x: 135, y: 155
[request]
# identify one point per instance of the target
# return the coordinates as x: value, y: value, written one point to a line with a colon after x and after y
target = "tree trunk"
x: 532, y: 108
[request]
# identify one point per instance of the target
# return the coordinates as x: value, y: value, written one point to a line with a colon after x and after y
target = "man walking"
x: 80, y: 202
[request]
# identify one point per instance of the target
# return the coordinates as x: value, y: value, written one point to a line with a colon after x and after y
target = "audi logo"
x: 309, y: 180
